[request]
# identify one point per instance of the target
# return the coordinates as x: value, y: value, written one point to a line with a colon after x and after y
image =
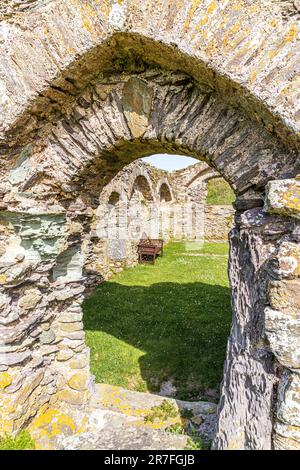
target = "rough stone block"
x: 14, y: 358
x: 288, y: 407
x: 30, y: 299
x: 283, y: 334
x: 64, y: 355
x: 47, y: 337
x: 289, y: 259
x: 285, y: 296
x: 79, y: 381
x: 71, y: 327
x: 73, y: 397
x: 79, y: 362
x: 283, y: 197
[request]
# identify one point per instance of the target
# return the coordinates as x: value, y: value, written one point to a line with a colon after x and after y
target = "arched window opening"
x: 165, y: 193
x: 114, y: 198
x: 141, y: 189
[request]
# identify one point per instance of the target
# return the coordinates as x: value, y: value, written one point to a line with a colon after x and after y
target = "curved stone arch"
x: 106, y: 197
x: 178, y: 118
x: 107, y: 27
x: 73, y: 161
x: 156, y: 112
x: 167, y: 208
x: 108, y: 192
x: 203, y: 177
x: 114, y: 198
x: 143, y: 184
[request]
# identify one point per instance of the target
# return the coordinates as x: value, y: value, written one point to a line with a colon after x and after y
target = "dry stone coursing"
x: 86, y: 87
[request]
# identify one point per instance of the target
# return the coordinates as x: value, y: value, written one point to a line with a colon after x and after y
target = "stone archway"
x: 71, y: 150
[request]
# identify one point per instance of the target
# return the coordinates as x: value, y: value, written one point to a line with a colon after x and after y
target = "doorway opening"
x: 161, y: 329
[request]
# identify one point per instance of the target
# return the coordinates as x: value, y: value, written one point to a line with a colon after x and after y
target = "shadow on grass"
x: 178, y: 331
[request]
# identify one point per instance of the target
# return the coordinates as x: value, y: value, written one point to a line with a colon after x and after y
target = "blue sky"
x: 170, y: 162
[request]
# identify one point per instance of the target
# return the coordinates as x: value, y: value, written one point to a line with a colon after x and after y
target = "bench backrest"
x: 151, y: 241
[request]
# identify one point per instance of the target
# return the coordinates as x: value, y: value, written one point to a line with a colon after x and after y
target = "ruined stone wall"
x: 167, y: 207
x: 218, y: 221
x: 210, y: 222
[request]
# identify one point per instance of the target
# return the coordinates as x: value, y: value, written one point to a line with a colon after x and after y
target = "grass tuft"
x: 22, y: 441
x: 163, y: 412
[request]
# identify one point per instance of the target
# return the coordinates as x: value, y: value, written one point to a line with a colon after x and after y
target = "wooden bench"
x: 150, y: 248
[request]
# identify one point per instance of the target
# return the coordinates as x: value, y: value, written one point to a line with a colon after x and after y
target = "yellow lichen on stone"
x: 5, y: 380
x: 7, y: 427
x: 273, y: 23
x: 210, y: 9
x: 48, y: 425
x: 162, y: 424
x: 292, y: 33
x: 87, y: 24
x: 191, y: 13
x: 79, y: 381
x: 78, y: 362
x: 2, y: 279
x: 83, y: 425
x: 291, y: 199
x: 110, y: 396
x: 73, y: 397
x: 238, y: 442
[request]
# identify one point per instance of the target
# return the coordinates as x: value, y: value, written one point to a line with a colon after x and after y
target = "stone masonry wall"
x: 218, y: 221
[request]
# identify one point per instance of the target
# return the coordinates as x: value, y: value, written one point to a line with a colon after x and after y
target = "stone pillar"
x: 282, y: 316
x: 44, y: 362
x: 259, y: 406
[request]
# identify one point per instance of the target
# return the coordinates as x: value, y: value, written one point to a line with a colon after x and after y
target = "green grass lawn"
x: 219, y: 192
x: 150, y: 324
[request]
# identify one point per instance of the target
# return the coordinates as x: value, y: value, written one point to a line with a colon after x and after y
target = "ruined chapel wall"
x: 218, y: 221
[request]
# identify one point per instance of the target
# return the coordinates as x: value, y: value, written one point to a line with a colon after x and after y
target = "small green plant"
x: 21, y: 441
x: 176, y: 428
x: 163, y: 412
x: 195, y: 443
x: 187, y: 413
